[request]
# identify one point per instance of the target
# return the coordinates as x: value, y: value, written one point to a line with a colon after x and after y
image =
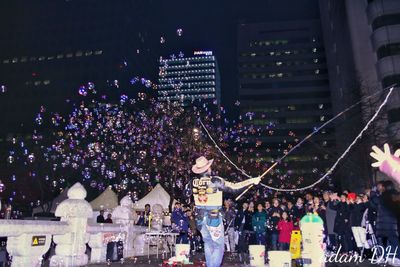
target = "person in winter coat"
x: 299, y: 211
x: 357, y: 210
x: 285, y: 228
x: 180, y: 223
x: 387, y: 221
x: 243, y: 226
x: 274, y: 217
x: 342, y: 222
x: 229, y: 224
x: 259, y: 222
x: 330, y: 215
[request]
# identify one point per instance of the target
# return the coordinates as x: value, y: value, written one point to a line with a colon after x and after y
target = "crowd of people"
x: 353, y: 223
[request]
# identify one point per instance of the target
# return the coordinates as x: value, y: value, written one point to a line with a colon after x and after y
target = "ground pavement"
x: 229, y: 261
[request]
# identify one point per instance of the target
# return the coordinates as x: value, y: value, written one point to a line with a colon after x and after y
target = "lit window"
x: 37, y: 83
x: 69, y: 55
x: 15, y: 60
x: 59, y: 56
x: 50, y: 58
x: 6, y: 61
x: 288, y: 52
x: 46, y: 82
x: 314, y: 50
x: 324, y: 143
x: 88, y: 53
x: 322, y: 118
x: 316, y: 71
x: 279, y: 63
x: 24, y: 59
x: 321, y: 106
x: 253, y: 54
x: 272, y: 53
x: 79, y: 53
x: 315, y: 60
x: 291, y: 108
x: 32, y: 59
x: 41, y: 58
x: 280, y: 75
x: 98, y: 52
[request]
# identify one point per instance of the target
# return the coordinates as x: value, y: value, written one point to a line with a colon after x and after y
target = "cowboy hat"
x: 202, y: 165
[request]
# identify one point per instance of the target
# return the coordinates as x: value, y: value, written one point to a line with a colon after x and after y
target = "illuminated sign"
x: 203, y: 53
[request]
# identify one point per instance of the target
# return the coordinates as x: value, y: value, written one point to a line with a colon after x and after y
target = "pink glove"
x: 388, y: 164
x: 391, y: 167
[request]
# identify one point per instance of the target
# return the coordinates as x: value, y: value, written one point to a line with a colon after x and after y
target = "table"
x: 159, y: 236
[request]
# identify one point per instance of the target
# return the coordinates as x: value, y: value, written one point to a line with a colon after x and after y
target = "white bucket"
x: 279, y: 259
x: 257, y: 253
x: 182, y: 250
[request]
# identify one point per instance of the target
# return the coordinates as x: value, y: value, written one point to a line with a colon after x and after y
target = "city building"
x: 189, y: 79
x: 284, y: 93
x: 363, y: 55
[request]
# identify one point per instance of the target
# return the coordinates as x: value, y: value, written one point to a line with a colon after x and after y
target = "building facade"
x: 284, y: 93
x: 189, y: 79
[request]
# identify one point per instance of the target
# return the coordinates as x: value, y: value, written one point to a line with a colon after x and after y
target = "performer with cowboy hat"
x: 207, y: 193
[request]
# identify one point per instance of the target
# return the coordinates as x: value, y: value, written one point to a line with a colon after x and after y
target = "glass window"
x: 69, y: 55
x: 98, y: 52
x: 46, y: 82
x: 60, y: 56
x: 24, y: 59
x: 388, y: 50
x: 88, y: 53
x: 386, y: 20
x: 6, y: 61
x: 79, y: 53
x: 15, y: 60
x: 42, y: 58
x: 36, y: 83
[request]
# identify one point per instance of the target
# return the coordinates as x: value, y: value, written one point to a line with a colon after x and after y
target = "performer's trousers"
x: 213, y: 238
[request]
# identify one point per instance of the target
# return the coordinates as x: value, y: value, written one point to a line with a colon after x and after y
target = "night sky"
x: 37, y: 27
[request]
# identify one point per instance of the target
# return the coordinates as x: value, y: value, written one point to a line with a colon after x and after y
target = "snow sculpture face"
x: 157, y: 214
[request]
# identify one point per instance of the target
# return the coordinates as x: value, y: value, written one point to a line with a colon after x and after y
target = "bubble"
x: 179, y: 32
x: 10, y: 159
x: 31, y: 158
x: 2, y: 186
x: 142, y: 154
x: 82, y: 91
x: 86, y: 173
x: 90, y: 85
x: 123, y: 99
x: 3, y: 89
x: 39, y: 119
x: 162, y: 40
x: 116, y: 83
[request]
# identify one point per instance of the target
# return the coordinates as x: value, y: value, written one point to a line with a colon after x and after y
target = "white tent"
x: 52, y: 204
x: 107, y: 200
x: 156, y: 196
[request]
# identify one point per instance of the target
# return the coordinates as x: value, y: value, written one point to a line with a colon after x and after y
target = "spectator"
x: 387, y: 222
x: 285, y: 228
x: 108, y: 220
x: 229, y: 224
x: 259, y: 222
x: 275, y: 214
x: 180, y: 223
x: 342, y: 222
x: 330, y: 215
x: 243, y: 227
x: 100, y: 217
x: 298, y: 212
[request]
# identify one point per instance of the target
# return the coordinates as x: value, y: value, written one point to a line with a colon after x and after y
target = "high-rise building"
x: 362, y: 40
x: 374, y: 42
x: 189, y: 79
x: 284, y: 92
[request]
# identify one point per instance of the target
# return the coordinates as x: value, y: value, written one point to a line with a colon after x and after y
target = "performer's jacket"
x: 207, y: 191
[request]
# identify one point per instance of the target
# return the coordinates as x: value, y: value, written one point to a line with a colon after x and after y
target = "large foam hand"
x: 386, y: 162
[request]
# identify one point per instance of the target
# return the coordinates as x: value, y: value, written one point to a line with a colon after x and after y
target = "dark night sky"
x: 206, y: 24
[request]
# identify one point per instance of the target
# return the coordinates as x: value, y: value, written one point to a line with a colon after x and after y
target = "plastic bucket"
x: 279, y: 259
x: 182, y: 250
x: 257, y: 255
